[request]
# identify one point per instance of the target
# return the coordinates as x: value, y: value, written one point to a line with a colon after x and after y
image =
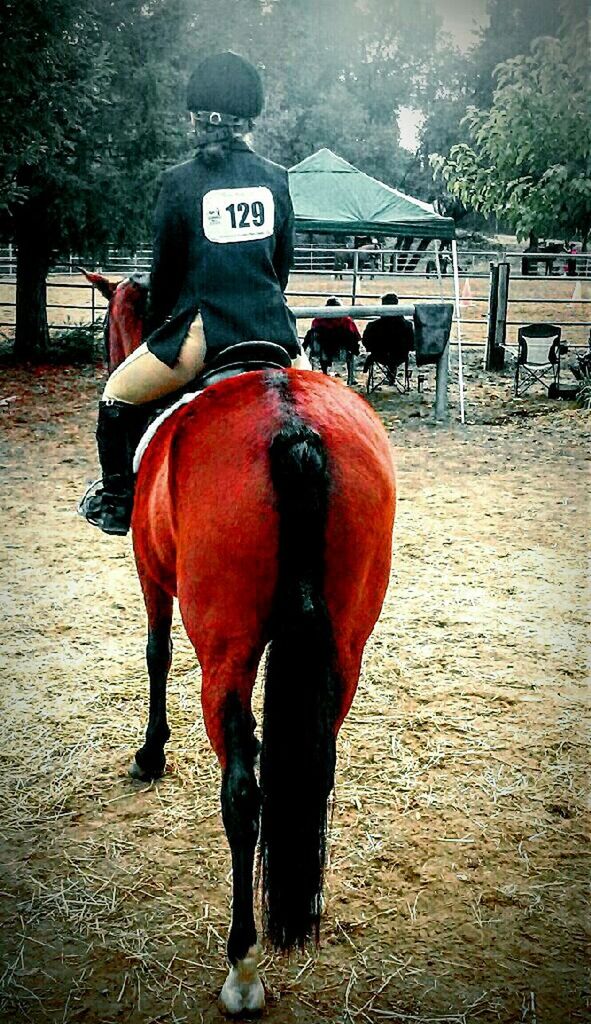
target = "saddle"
x: 242, y: 358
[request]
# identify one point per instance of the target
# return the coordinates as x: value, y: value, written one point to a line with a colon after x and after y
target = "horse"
x: 546, y: 254
x: 431, y: 267
x: 369, y: 257
x: 248, y: 506
x: 124, y: 320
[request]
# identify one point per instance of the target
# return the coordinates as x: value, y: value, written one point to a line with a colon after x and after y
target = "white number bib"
x: 238, y: 214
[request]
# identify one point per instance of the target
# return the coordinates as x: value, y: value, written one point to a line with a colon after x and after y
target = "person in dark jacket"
x: 389, y: 339
x: 223, y: 248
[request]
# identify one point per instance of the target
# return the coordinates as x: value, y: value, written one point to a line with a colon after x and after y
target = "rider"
x: 223, y: 247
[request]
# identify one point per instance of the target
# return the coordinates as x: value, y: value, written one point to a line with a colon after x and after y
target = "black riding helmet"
x: 225, y: 84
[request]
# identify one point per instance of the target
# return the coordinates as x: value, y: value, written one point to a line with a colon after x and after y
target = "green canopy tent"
x: 331, y: 196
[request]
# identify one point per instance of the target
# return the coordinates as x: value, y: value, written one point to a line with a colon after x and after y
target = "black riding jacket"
x: 223, y: 247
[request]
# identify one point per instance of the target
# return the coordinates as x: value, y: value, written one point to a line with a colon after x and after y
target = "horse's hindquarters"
x: 267, y: 507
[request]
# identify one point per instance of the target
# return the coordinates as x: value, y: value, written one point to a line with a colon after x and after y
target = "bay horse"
x: 249, y: 508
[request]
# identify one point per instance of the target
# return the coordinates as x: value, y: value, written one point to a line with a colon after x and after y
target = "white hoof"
x: 243, y: 990
x: 135, y: 772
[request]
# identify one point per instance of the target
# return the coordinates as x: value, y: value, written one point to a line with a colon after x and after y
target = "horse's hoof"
x: 243, y: 992
x: 236, y: 1002
x: 141, y: 775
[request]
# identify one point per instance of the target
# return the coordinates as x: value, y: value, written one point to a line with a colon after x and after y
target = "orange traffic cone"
x: 466, y: 293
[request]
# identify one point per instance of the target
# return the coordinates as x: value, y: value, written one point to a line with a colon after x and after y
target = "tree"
x: 444, y: 105
x: 92, y: 107
x: 335, y: 75
x: 511, y: 29
x: 530, y: 153
x: 89, y: 113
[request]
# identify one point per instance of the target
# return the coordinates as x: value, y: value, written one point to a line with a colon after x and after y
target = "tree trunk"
x: 413, y: 261
x: 32, y: 334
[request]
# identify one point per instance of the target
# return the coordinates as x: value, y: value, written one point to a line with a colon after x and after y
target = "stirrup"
x: 91, y: 500
x: 110, y: 512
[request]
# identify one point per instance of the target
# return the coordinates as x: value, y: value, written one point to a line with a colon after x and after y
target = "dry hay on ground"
x: 458, y: 854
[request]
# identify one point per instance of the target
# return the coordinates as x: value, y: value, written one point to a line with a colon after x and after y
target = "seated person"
x: 389, y: 339
x: 330, y: 337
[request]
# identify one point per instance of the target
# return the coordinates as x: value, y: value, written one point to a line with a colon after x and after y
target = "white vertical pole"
x: 454, y: 254
x: 438, y: 265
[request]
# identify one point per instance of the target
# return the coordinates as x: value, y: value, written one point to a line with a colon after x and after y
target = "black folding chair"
x: 380, y: 372
x: 538, y: 358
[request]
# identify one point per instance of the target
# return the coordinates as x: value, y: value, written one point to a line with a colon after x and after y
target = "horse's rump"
x: 206, y: 517
x: 267, y: 506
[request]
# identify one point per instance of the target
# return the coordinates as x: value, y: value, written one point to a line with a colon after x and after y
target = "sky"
x: 462, y: 19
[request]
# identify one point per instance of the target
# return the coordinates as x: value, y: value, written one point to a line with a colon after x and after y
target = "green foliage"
x: 464, y: 80
x: 89, y: 113
x: 529, y: 158
x: 78, y: 344
x: 512, y: 27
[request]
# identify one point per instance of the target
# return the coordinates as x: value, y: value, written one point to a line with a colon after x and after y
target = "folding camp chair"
x: 538, y: 358
x: 379, y: 373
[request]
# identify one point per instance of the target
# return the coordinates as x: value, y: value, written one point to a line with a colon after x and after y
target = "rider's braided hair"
x: 215, y: 133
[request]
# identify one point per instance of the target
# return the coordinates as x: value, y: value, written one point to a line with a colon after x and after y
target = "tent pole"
x: 438, y: 265
x: 454, y: 255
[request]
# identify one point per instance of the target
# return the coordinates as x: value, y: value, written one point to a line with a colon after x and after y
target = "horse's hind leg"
x: 230, y: 726
x: 240, y: 812
x: 149, y: 760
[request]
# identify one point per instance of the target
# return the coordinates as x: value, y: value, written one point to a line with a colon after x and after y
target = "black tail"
x: 301, y: 697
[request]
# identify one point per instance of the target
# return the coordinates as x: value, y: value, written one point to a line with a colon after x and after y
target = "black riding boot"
x: 108, y: 502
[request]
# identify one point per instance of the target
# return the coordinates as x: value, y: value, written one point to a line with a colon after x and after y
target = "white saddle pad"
x: 154, y: 427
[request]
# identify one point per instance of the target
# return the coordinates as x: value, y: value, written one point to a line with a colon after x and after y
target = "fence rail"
x: 352, y: 279
x: 330, y: 260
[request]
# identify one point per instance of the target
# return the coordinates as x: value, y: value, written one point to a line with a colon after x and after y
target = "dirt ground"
x: 459, y: 846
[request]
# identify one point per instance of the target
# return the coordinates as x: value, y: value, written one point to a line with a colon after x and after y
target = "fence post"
x: 493, y: 296
x: 355, y: 269
x: 441, y: 383
x: 501, y: 317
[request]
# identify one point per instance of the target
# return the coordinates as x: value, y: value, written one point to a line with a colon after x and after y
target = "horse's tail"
x: 301, y: 697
